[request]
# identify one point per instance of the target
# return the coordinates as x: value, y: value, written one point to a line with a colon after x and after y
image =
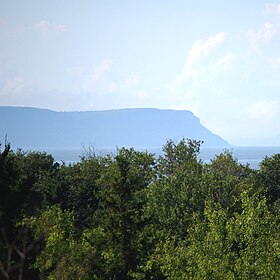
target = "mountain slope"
x: 140, y: 128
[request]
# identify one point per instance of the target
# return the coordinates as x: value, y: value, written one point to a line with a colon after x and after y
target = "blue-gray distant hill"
x: 139, y: 128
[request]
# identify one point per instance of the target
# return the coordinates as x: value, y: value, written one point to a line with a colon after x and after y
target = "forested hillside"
x: 133, y: 215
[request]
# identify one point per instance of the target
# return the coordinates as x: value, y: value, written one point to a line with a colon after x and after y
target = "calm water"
x: 251, y: 155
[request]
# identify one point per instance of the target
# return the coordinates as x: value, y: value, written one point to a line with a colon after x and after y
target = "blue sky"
x: 219, y: 59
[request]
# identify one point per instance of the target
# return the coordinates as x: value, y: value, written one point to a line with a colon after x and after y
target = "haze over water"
x: 244, y: 155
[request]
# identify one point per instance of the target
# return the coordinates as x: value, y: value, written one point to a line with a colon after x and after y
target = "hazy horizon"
x: 218, y: 59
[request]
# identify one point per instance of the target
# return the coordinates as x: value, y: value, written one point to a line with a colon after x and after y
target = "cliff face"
x: 139, y: 128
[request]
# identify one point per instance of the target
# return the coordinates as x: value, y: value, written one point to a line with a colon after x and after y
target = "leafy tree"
x: 205, y: 254
x: 119, y: 215
x: 76, y: 190
x: 224, y: 179
x: 57, y: 227
x: 172, y: 198
x: 269, y: 176
x: 220, y: 246
x: 175, y: 193
x: 17, y: 248
x: 133, y: 216
x: 115, y: 185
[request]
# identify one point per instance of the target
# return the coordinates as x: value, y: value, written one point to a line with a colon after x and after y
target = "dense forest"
x: 134, y: 215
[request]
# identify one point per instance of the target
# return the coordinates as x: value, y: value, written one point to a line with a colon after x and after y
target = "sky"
x: 219, y: 59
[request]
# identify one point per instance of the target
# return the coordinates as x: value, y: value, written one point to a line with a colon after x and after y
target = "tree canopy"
x: 134, y: 215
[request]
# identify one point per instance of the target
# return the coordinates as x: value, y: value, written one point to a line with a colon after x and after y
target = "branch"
x: 4, y: 272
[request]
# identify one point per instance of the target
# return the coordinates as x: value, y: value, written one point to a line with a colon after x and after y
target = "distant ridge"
x: 28, y: 127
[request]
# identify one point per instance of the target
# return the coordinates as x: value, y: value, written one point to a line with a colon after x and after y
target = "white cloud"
x: 133, y: 81
x: 45, y: 26
x: 272, y: 8
x: 225, y: 63
x: 265, y: 32
x: 12, y: 87
x: 98, y: 74
x: 199, y: 50
x: 263, y: 110
x: 206, y: 80
x: 101, y: 70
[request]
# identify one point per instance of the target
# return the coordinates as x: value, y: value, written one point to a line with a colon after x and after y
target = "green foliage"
x: 209, y: 253
x: 223, y: 181
x: 245, y: 246
x: 10, y: 191
x: 63, y: 256
x: 19, y: 174
x: 175, y: 194
x: 178, y: 157
x: 269, y: 176
x: 76, y: 189
x: 121, y: 199
x: 256, y: 231
x: 57, y: 227
x: 132, y: 215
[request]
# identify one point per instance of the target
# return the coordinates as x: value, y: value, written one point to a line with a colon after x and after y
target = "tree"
x: 269, y: 177
x: 243, y: 246
x: 121, y: 199
x: 17, y: 247
x: 175, y: 194
x: 57, y: 227
x: 224, y: 179
x: 171, y: 199
x: 255, y: 231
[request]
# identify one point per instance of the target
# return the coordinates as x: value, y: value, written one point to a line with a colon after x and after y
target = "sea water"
x: 251, y: 155
x: 244, y: 155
